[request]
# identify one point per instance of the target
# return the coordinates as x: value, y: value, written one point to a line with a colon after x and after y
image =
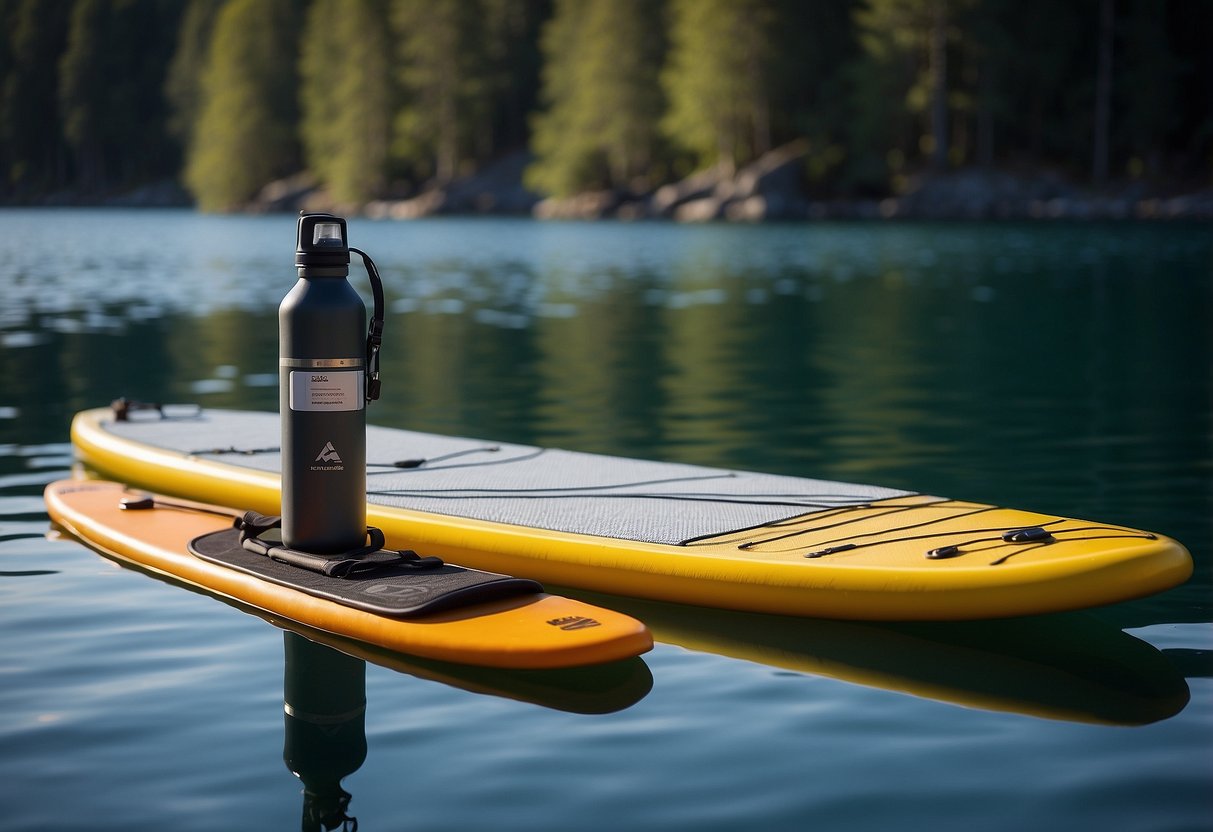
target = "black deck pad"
x: 396, y: 592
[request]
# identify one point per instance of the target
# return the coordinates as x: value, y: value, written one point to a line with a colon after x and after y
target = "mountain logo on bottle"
x: 328, y: 454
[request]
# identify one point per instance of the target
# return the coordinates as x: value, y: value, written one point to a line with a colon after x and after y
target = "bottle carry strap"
x: 355, y: 563
x: 374, y: 336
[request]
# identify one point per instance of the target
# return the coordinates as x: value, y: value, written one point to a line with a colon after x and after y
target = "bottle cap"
x: 321, y: 249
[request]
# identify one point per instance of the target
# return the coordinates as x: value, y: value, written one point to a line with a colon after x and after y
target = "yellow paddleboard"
x: 533, y: 630
x: 663, y: 531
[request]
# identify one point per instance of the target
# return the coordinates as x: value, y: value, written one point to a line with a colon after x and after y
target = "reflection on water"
x: 1060, y: 368
x: 1070, y: 667
x: 1061, y: 667
x: 324, y: 702
x: 324, y: 693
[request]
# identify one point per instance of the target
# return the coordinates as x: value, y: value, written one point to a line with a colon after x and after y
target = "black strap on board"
x: 363, y: 561
x: 381, y: 581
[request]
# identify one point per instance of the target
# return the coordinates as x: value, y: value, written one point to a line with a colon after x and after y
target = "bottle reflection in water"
x: 324, y: 695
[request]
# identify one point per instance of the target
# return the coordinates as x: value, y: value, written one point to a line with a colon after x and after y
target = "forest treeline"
x: 382, y: 98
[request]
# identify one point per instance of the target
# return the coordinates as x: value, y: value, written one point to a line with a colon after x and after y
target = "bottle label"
x: 327, y: 390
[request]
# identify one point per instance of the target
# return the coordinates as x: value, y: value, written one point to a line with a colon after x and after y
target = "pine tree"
x: 80, y: 94
x: 602, y: 94
x: 183, y: 84
x: 446, y: 80
x: 347, y: 96
x: 318, y: 98
x: 813, y: 43
x: 618, y: 78
x: 561, y: 166
x: 718, y: 80
x: 910, y: 38
x: 34, y: 156
x: 110, y: 77
x: 245, y: 134
x: 511, y: 43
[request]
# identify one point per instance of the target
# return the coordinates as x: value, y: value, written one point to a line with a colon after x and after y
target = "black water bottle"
x: 322, y: 396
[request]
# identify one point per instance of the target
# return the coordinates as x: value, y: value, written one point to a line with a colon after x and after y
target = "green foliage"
x: 377, y: 95
x: 33, y: 154
x: 112, y: 56
x: 347, y: 104
x: 561, y: 168
x: 183, y: 84
x: 602, y: 95
x: 245, y: 133
x: 510, y: 40
x: 912, y: 39
x: 718, y: 78
x: 447, y: 81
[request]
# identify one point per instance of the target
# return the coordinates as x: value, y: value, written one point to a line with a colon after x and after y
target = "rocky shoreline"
x: 769, y: 189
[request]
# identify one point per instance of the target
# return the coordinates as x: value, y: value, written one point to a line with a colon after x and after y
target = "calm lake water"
x: 1065, y: 368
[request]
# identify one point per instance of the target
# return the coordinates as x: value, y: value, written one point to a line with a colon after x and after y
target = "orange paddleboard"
x: 531, y: 630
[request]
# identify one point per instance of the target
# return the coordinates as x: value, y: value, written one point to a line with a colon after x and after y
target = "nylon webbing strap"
x: 366, y: 560
x: 374, y: 336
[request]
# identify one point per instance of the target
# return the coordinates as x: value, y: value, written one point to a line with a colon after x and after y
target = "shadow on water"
x: 1072, y: 667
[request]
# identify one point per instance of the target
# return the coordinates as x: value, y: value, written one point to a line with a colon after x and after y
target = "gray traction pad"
x: 564, y: 491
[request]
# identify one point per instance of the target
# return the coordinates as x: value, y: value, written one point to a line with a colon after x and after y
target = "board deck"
x: 665, y: 531
x: 524, y: 631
